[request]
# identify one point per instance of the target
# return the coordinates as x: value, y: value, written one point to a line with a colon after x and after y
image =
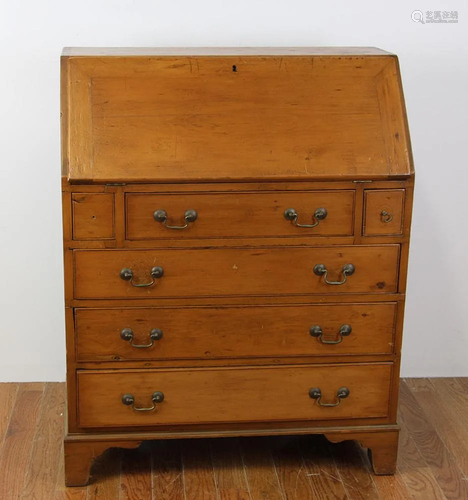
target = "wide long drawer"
x: 180, y: 396
x: 235, y: 271
x: 217, y: 215
x: 234, y: 331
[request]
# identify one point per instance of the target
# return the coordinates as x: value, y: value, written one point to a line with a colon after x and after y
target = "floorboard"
x: 432, y: 459
x: 15, y: 454
x: 442, y: 463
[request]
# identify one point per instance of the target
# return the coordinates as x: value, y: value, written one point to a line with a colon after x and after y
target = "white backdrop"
x: 434, y: 64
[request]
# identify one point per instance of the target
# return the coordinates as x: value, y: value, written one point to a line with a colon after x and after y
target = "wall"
x: 433, y: 60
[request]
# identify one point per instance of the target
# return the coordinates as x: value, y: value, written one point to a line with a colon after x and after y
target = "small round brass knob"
x: 290, y: 214
x: 315, y: 331
x: 345, y: 330
x: 157, y: 272
x: 321, y: 213
x: 156, y: 334
x: 128, y: 399
x: 191, y: 215
x: 126, y: 274
x: 158, y: 397
x: 126, y: 334
x: 160, y: 215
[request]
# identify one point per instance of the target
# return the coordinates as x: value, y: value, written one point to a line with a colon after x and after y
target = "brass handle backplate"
x: 189, y: 216
x: 127, y: 275
x: 386, y: 216
x: 129, y: 400
x: 292, y: 215
x: 347, y: 270
x: 316, y: 331
x: 316, y: 393
x: 127, y: 334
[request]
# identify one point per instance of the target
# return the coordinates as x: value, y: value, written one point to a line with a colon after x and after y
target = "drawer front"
x: 234, y: 272
x: 232, y: 394
x: 158, y: 216
x: 227, y: 332
x: 383, y: 212
x: 93, y: 216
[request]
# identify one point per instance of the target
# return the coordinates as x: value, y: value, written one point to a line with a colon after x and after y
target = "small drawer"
x: 383, y: 212
x: 213, y: 272
x: 234, y: 331
x: 242, y: 394
x: 236, y: 215
x: 93, y: 216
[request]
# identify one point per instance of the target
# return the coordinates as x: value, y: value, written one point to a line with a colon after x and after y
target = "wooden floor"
x: 432, y: 464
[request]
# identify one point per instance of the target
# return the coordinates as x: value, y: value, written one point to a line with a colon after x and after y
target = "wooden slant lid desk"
x: 236, y: 230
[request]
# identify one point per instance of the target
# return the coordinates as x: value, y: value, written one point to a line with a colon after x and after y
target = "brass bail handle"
x: 347, y: 270
x: 316, y: 331
x: 189, y: 216
x: 156, y: 272
x: 127, y: 335
x: 156, y: 397
x: 292, y: 215
x: 341, y: 393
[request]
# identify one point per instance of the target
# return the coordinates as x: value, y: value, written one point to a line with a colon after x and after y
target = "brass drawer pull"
x: 316, y: 331
x: 189, y: 216
x: 127, y: 334
x: 385, y: 216
x: 127, y: 275
x: 316, y: 393
x: 129, y: 400
x: 292, y: 215
x: 321, y: 270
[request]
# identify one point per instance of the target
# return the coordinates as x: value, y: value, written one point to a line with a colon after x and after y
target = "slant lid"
x: 160, y: 115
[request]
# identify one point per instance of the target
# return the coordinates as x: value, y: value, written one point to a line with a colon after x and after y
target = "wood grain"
x: 239, y: 137
x: 378, y: 201
x: 136, y: 483
x: 291, y: 469
x: 238, y: 394
x: 9, y: 392
x: 168, y: 475
x: 261, y: 472
x: 199, y: 480
x: 17, y: 446
x: 432, y: 448
x: 226, y: 332
x: 444, y: 402
x: 239, y: 214
x: 227, y: 272
x: 321, y: 469
x: 43, y: 466
x: 64, y: 493
x: 356, y: 478
x: 229, y: 469
x: 414, y: 479
x: 93, y: 216
x: 106, y: 475
x: 416, y: 473
x: 208, y: 111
